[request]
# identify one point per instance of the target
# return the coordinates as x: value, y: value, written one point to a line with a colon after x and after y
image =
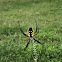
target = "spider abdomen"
x: 30, y: 32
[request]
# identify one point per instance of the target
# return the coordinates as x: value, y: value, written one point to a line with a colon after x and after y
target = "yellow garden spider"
x: 31, y: 33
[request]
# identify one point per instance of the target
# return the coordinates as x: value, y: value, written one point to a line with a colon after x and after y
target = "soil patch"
x: 1, y: 41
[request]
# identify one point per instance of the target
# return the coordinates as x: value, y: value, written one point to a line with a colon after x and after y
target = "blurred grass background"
x: 48, y: 14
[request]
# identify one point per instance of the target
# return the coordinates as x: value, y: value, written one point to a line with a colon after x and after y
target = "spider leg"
x: 36, y: 33
x: 38, y: 41
x: 27, y: 44
x: 36, y: 26
x: 36, y: 29
x: 22, y: 31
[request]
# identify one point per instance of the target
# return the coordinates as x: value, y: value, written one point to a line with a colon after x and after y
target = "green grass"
x: 48, y: 14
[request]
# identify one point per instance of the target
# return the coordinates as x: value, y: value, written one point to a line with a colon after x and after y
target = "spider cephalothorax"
x: 30, y: 34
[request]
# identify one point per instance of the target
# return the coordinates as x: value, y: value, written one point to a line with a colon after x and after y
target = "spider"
x: 31, y: 33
